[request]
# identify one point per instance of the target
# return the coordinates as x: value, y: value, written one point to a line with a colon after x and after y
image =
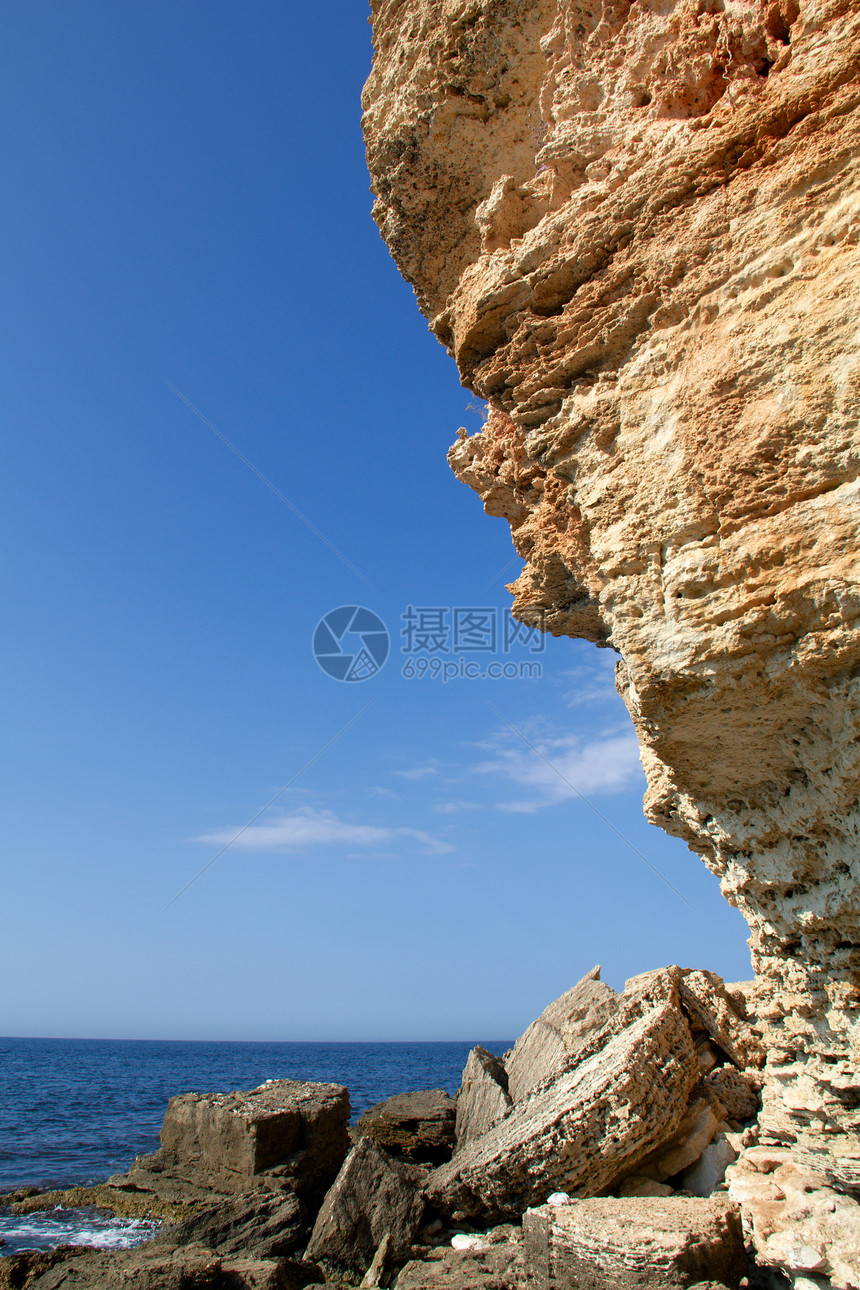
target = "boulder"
x: 373, y: 1196
x: 625, y: 1095
x: 483, y: 1098
x: 698, y: 1128
x: 709, y: 1171
x: 286, y: 1134
x: 549, y: 1044
x: 497, y: 1266
x: 417, y: 1126
x: 633, y: 1244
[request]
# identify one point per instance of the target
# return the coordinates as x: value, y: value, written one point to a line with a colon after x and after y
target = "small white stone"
x: 463, y: 1242
x: 559, y: 1198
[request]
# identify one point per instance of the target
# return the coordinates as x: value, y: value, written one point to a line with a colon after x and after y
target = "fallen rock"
x: 709, y: 1171
x: 592, y: 1125
x: 285, y: 1134
x: 373, y: 1277
x: 633, y: 1244
x: 373, y: 1196
x: 483, y: 1098
x: 552, y: 1041
x: 697, y: 1130
x: 497, y: 1266
x: 417, y: 1126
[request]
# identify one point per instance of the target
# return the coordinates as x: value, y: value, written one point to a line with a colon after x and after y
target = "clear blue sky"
x: 186, y: 201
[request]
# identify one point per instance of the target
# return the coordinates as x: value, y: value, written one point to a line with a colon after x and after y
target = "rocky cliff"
x: 634, y: 225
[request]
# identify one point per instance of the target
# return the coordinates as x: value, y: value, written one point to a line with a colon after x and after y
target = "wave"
x: 87, y: 1226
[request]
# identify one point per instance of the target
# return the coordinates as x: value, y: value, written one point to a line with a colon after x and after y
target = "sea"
x: 75, y: 1111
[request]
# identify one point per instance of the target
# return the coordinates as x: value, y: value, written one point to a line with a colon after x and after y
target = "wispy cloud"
x: 418, y: 772
x: 307, y: 827
x: 600, y: 766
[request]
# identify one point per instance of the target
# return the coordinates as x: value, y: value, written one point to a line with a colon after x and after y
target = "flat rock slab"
x: 417, y: 1126
x: 549, y: 1044
x: 587, y: 1129
x: 373, y: 1196
x: 633, y: 1244
x: 160, y: 1268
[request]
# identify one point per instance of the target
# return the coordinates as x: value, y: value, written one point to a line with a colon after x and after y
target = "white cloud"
x: 567, y: 767
x: 308, y: 827
x: 417, y: 772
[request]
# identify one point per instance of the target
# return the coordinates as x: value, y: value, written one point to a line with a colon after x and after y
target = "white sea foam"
x: 48, y: 1228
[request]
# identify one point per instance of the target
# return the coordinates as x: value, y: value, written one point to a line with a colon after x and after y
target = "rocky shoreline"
x: 600, y: 1151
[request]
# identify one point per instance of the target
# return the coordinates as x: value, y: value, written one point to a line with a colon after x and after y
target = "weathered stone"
x: 709, y: 1171
x: 736, y: 1090
x: 633, y: 1244
x: 417, y: 1126
x: 698, y: 1128
x: 798, y: 1223
x: 497, y: 1266
x: 260, y: 1225
x: 549, y: 1044
x: 594, y: 1124
x: 635, y: 229
x: 296, y: 1128
x: 483, y: 1098
x: 373, y: 1277
x: 373, y: 1196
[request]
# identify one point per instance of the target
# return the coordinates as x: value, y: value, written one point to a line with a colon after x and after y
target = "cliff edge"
x: 635, y: 228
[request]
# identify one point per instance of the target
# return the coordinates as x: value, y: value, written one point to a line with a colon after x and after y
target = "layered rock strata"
x: 635, y: 227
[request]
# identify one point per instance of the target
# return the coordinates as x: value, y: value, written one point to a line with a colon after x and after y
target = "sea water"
x: 74, y: 1111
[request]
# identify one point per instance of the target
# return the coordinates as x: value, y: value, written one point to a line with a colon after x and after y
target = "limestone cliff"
x: 634, y: 225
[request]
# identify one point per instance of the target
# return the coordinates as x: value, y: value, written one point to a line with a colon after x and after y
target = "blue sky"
x: 187, y: 209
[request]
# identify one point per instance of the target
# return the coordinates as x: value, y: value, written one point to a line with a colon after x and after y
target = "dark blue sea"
x: 77, y: 1110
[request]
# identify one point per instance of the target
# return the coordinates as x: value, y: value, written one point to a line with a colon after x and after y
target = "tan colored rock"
x: 699, y: 1127
x: 633, y: 1244
x: 708, y: 1173
x: 796, y: 1220
x: 546, y: 1048
x: 625, y: 1095
x: 373, y: 1199
x: 736, y: 1090
x: 635, y: 228
x: 483, y: 1098
x: 293, y: 1132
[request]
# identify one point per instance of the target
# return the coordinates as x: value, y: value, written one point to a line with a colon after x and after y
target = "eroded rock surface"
x: 627, y: 1099
x: 633, y: 1245
x: 635, y: 227
x: 417, y: 1126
